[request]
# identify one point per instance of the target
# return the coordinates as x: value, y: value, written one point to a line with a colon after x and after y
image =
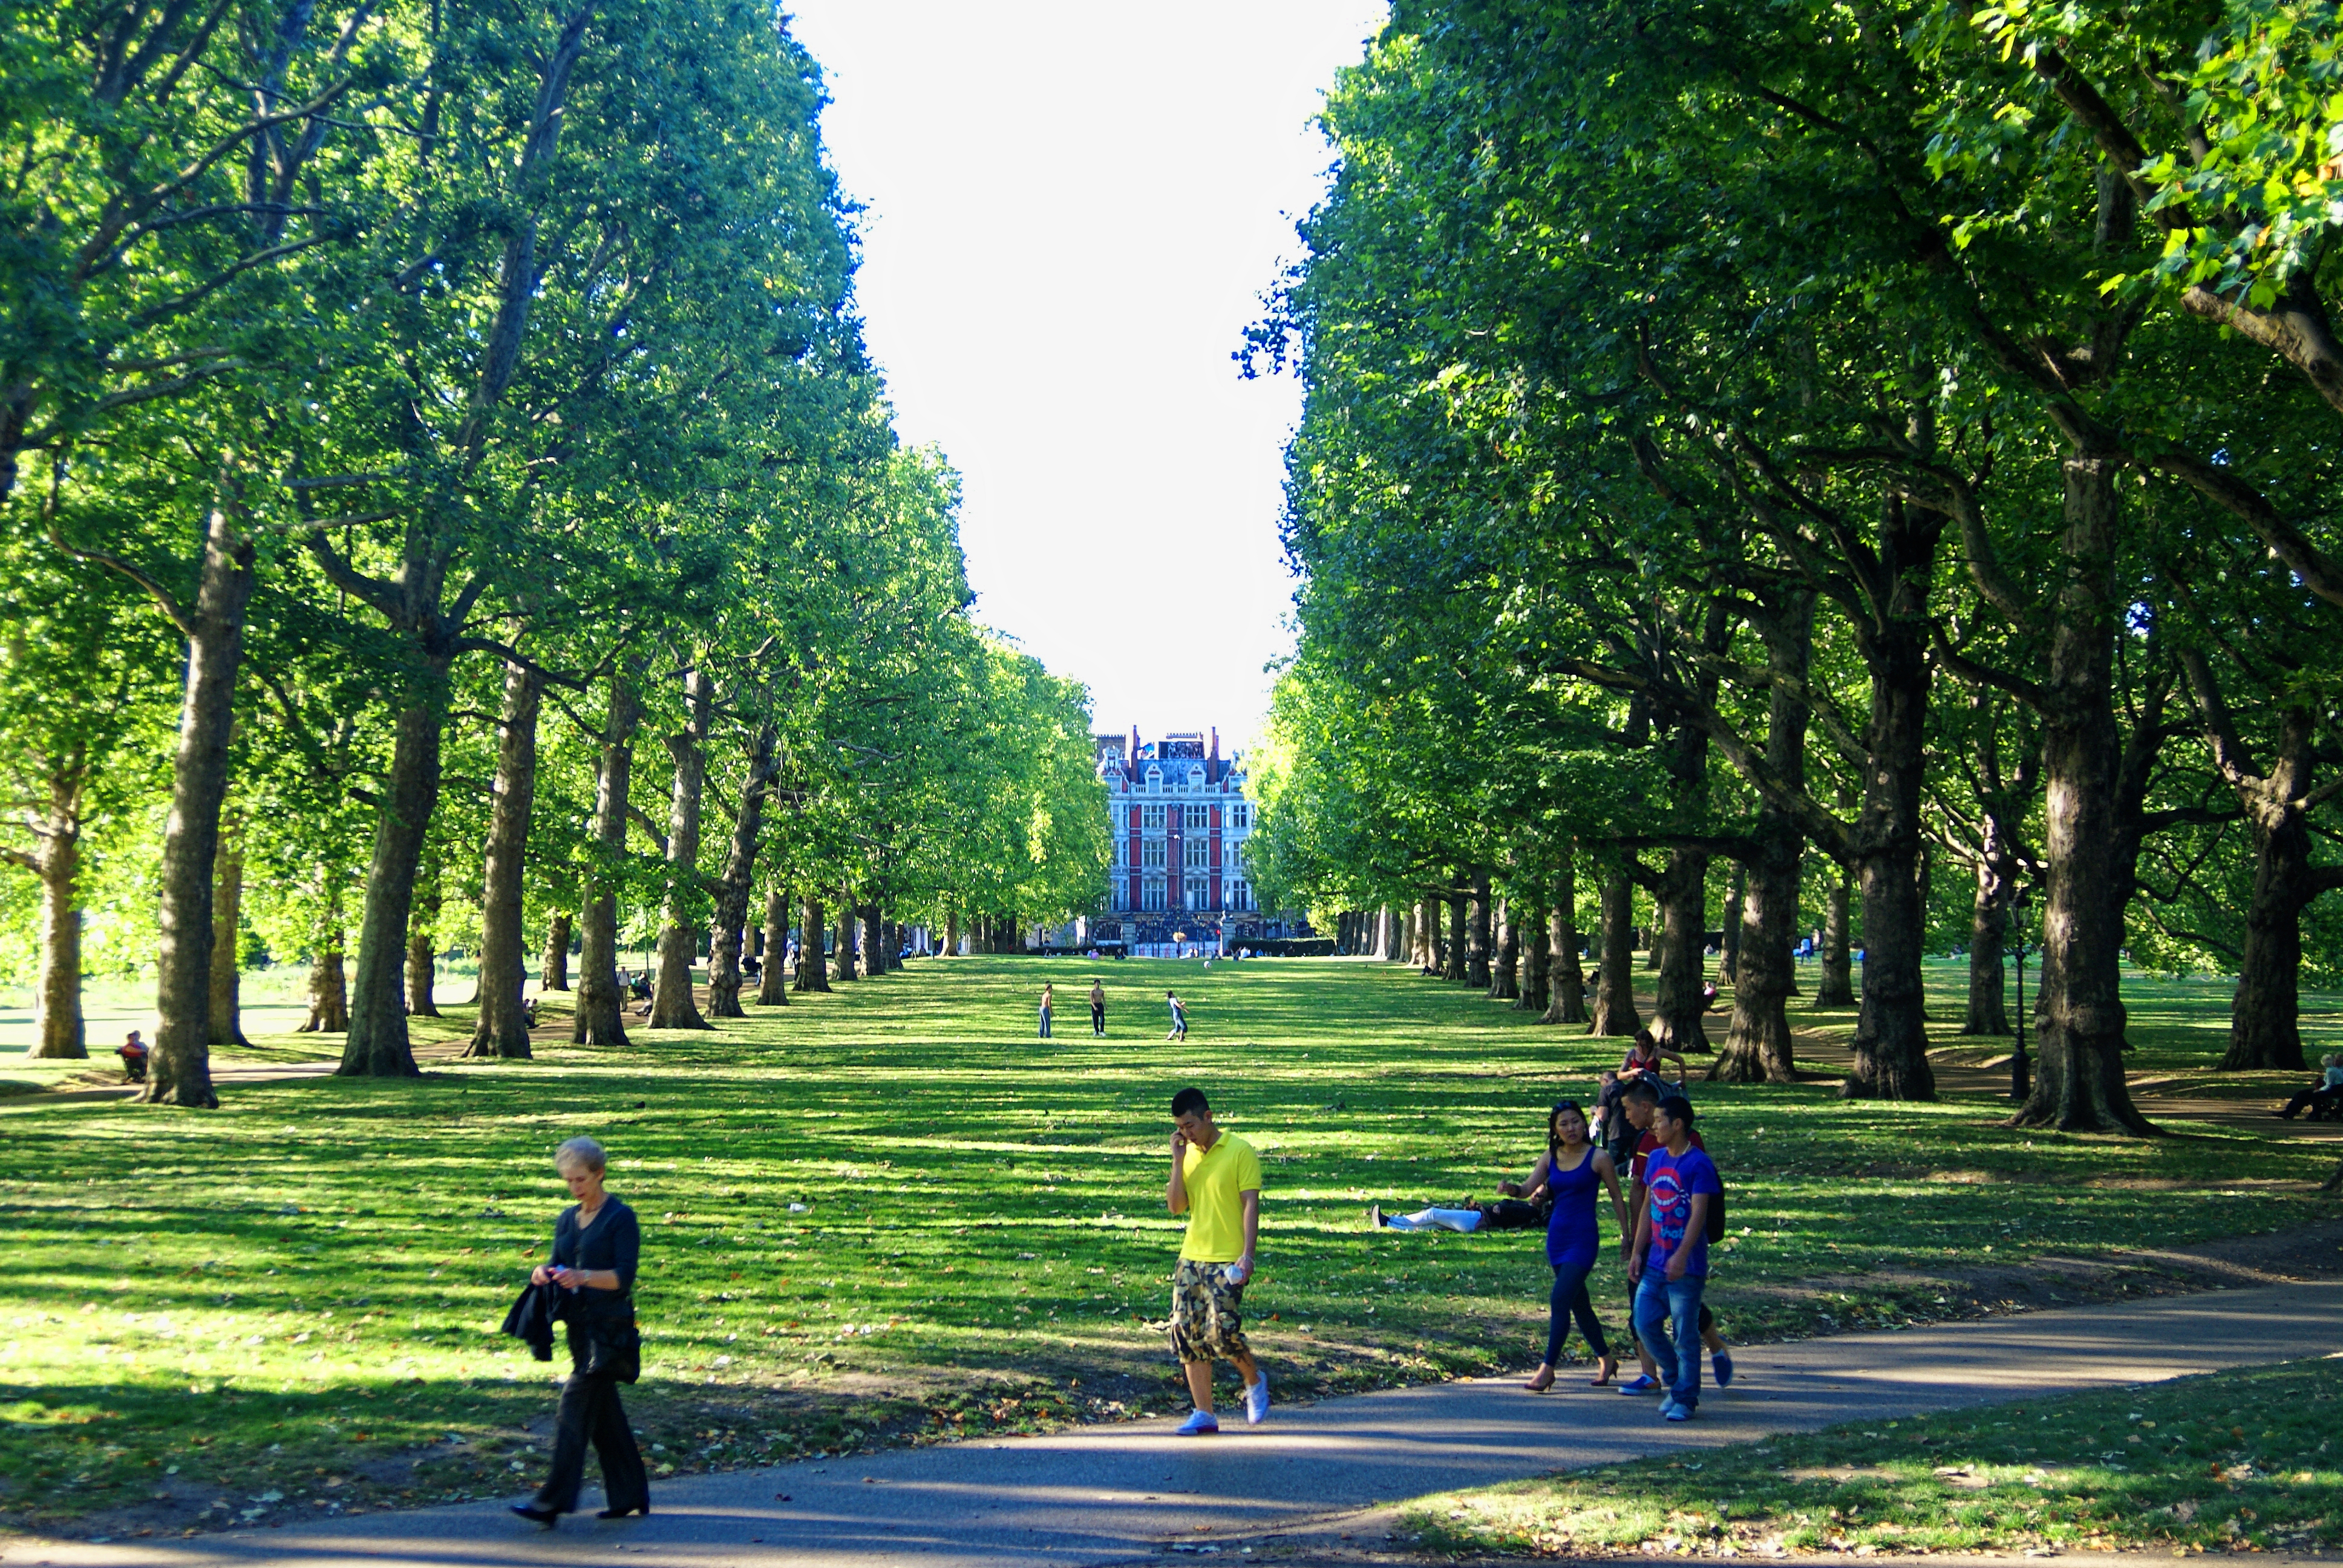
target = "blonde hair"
x: 579, y: 1151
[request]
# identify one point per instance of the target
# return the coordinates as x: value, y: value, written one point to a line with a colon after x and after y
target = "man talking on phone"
x: 1216, y: 1182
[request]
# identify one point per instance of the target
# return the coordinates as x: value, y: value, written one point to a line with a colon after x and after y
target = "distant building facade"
x: 1180, y: 820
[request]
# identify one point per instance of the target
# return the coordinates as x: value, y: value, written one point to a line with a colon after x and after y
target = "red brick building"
x: 1179, y: 818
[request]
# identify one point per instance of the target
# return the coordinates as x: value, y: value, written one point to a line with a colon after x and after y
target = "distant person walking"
x: 1572, y: 1172
x: 1216, y: 1182
x: 1049, y: 993
x: 1669, y: 1262
x: 597, y: 1244
x: 1097, y: 1011
x: 1179, y: 1018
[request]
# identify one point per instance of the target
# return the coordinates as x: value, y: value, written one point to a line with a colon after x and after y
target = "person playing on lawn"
x: 1179, y: 1018
x: 1049, y: 1001
x: 1570, y: 1170
x: 1097, y: 1011
x: 1216, y: 1182
x: 1640, y: 1101
x: 1669, y: 1262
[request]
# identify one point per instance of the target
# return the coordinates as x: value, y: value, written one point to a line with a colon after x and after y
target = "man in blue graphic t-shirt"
x: 1670, y: 1260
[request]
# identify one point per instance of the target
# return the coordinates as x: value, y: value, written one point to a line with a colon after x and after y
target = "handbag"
x: 615, y: 1349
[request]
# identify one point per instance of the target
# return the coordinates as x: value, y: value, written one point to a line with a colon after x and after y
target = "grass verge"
x: 2248, y: 1461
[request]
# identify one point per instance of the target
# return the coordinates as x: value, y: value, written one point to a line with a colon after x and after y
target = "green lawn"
x: 317, y: 1270
x: 2233, y: 1462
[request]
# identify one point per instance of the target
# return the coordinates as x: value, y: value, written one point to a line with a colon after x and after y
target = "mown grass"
x: 303, y: 1287
x: 2236, y: 1460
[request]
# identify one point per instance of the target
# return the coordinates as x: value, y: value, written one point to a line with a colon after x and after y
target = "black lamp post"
x: 2021, y: 1077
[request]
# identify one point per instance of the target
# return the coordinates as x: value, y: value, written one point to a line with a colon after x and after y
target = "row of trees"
x: 1819, y: 455
x: 409, y: 413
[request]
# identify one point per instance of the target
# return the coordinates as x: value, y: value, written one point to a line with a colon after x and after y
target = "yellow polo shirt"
x: 1215, y: 1178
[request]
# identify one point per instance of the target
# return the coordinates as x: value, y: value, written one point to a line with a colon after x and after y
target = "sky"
x: 1073, y: 212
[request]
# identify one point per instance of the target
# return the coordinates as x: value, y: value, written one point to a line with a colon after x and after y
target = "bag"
x: 615, y: 1349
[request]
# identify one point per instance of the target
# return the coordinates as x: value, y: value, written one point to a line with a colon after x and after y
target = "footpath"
x: 1297, y: 1488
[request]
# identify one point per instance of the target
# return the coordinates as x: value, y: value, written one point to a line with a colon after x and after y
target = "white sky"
x: 1074, y: 210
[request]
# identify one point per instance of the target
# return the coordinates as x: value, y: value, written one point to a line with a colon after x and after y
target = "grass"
x: 889, y: 1215
x: 2232, y: 1462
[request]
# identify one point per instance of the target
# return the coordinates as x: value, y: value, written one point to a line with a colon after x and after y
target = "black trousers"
x: 590, y: 1413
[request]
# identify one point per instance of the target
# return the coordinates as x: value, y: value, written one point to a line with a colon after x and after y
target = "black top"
x: 614, y: 1240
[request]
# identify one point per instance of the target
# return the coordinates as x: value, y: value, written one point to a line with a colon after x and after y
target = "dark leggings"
x: 1570, y: 1299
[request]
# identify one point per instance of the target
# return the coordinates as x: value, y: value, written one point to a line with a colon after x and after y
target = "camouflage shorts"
x: 1206, y: 1325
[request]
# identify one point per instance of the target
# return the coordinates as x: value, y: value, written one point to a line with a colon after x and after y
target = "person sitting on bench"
x: 132, y: 1053
x: 2324, y: 1095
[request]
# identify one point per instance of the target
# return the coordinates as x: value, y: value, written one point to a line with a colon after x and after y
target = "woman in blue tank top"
x: 1572, y: 1170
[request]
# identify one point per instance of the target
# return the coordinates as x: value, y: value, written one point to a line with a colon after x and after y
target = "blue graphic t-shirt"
x: 1672, y: 1180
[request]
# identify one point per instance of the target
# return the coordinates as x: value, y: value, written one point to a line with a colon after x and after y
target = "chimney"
x: 1134, y: 743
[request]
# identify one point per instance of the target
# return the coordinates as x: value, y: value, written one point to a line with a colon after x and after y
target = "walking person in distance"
x: 596, y: 1245
x: 1216, y: 1182
x: 1179, y: 1018
x: 1049, y: 996
x: 1097, y: 1011
x: 1670, y: 1260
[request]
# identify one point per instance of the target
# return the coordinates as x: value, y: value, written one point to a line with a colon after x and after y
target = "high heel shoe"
x: 621, y: 1513
x: 536, y: 1515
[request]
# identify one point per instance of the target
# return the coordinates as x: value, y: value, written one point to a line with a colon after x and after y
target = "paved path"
x: 1115, y: 1495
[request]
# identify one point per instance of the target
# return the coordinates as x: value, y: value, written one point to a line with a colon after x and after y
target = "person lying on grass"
x: 1522, y: 1205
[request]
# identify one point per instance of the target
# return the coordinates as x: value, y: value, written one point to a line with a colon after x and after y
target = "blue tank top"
x: 1572, y: 1237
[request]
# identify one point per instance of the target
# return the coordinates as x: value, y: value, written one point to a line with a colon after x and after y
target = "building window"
x: 1155, y: 781
x: 1199, y: 818
x: 1196, y: 893
x: 1151, y: 852
x: 1195, y: 779
x: 1151, y: 819
x: 1235, y: 856
x: 1121, y: 853
x: 1151, y: 894
x: 1239, y: 816
x: 1198, y: 853
x: 1240, y: 896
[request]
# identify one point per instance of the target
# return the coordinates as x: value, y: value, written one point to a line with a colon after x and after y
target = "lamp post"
x: 2021, y: 1081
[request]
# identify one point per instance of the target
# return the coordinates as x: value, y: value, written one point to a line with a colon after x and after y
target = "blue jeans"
x: 1045, y: 1023
x: 1667, y: 1320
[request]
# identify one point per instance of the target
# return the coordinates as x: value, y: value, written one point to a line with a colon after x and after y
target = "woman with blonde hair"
x: 596, y: 1244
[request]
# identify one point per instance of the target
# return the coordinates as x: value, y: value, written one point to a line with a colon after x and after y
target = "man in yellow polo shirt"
x: 1216, y: 1182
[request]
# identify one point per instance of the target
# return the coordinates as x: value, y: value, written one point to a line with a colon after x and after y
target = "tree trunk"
x: 179, y: 1063
x: 1835, y: 986
x: 2078, y: 1084
x: 1457, y: 965
x: 502, y: 1030
x: 2265, y: 1012
x: 1537, y: 959
x: 60, y: 1034
x: 672, y: 1006
x: 1504, y: 971
x: 1614, y: 979
x: 845, y: 969
x: 727, y: 931
x: 875, y: 956
x: 1566, y: 978
x: 377, y: 1042
x: 227, y: 1005
x: 1728, y: 962
x: 1677, y: 1020
x: 1987, y: 1013
x: 601, y: 1015
x: 811, y: 975
x: 423, y: 941
x: 553, y: 971
x: 772, y: 980
x: 951, y: 933
x: 1764, y: 932
x: 330, y: 998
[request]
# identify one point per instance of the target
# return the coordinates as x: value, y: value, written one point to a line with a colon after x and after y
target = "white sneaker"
x: 1257, y: 1401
